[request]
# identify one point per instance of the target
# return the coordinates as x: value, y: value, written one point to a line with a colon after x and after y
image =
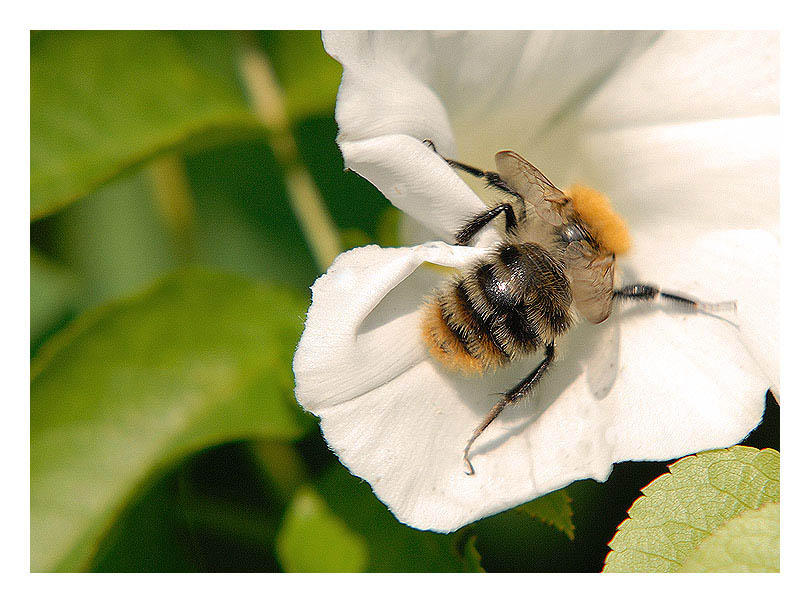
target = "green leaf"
x: 103, y: 102
x: 470, y: 556
x: 114, y: 240
x: 392, y: 546
x: 244, y: 219
x: 128, y: 390
x: 209, y: 513
x: 553, y: 509
x: 53, y: 293
x: 313, y: 539
x: 747, y: 543
x: 147, y: 537
x: 679, y: 510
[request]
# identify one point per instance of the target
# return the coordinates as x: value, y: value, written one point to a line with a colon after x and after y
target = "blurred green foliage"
x: 104, y: 102
x: 55, y: 289
x: 309, y: 79
x: 131, y: 387
x: 169, y: 284
x: 313, y: 539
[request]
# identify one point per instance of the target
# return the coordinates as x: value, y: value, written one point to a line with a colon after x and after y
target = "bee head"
x: 603, y: 223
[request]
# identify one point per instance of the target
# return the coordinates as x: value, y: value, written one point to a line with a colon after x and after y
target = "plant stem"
x: 174, y: 202
x: 267, y: 100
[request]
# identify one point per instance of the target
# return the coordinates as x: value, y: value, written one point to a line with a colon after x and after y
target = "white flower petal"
x: 354, y: 339
x: 506, y: 90
x: 402, y: 81
x: 740, y: 265
x: 415, y: 179
x: 691, y: 76
x: 647, y: 384
x: 684, y: 383
x: 721, y: 174
x: 687, y: 134
x: 383, y: 90
x: 384, y: 111
x: 399, y: 83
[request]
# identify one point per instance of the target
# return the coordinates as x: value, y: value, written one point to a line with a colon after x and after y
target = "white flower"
x: 679, y: 129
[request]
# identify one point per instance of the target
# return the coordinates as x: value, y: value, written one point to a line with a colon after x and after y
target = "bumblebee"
x: 556, y: 260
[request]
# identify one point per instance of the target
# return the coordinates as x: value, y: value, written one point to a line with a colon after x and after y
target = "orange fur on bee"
x: 442, y: 344
x: 604, y: 223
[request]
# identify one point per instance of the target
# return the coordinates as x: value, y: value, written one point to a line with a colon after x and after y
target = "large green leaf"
x: 209, y: 513
x: 114, y: 241
x: 313, y: 539
x: 681, y: 509
x: 146, y: 538
x: 129, y: 389
x: 747, y: 543
x: 106, y: 101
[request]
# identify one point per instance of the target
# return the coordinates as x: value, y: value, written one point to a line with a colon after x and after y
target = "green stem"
x: 173, y: 198
x: 267, y: 100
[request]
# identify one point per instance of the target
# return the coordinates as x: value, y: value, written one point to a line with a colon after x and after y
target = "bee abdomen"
x: 504, y: 308
x: 457, y: 335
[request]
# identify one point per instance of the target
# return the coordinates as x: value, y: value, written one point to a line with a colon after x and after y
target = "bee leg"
x: 510, y: 397
x: 469, y: 229
x: 493, y: 178
x: 639, y: 292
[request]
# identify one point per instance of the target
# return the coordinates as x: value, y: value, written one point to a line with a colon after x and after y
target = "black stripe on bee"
x: 483, y: 325
x: 520, y: 329
x: 454, y: 328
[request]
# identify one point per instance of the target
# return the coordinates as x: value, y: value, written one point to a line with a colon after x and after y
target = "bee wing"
x: 590, y: 273
x: 532, y: 185
x: 591, y: 277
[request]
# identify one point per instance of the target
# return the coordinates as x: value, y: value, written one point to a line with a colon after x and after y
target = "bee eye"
x: 571, y: 233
